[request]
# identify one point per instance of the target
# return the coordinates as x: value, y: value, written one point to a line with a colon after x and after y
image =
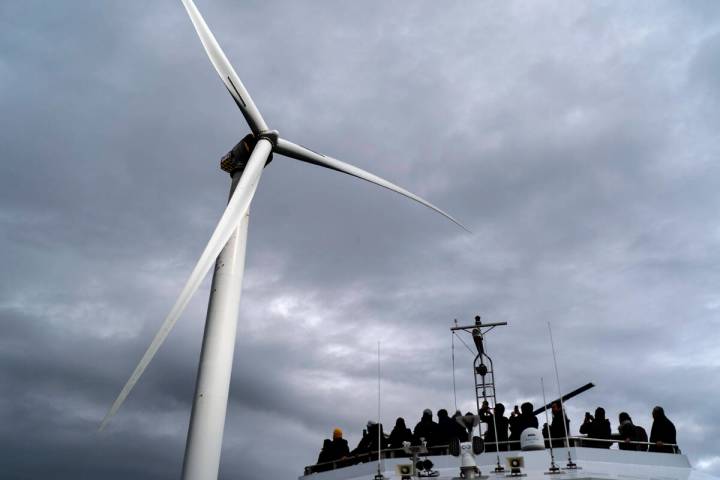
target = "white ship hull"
x: 594, y: 463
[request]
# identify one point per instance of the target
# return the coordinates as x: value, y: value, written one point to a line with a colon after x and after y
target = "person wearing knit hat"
x: 339, y: 446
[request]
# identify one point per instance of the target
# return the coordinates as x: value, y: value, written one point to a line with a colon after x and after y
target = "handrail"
x: 442, y: 450
x: 620, y: 440
x: 369, y: 456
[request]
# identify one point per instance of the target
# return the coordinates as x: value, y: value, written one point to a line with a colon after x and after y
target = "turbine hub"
x: 237, y: 158
x: 270, y: 135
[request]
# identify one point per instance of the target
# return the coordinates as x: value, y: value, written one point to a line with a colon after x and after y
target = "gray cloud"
x: 576, y: 140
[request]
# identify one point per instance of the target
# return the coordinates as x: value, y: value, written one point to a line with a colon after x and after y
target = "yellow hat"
x: 337, y: 433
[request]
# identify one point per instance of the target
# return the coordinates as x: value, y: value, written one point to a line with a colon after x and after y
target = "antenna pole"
x: 499, y: 468
x: 553, y: 468
x: 452, y: 348
x: 570, y: 464
x: 379, y: 475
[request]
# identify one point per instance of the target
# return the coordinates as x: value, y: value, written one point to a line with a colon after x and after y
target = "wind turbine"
x: 245, y: 163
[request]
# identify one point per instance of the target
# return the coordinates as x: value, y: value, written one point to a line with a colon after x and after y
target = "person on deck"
x: 558, y: 431
x: 514, y: 424
x: 499, y: 422
x: 596, y: 427
x: 339, y: 446
x: 425, y: 429
x: 485, y: 413
x: 445, y: 428
x: 325, y: 454
x: 460, y: 431
x: 662, y: 432
x: 629, y: 432
x: 369, y: 442
x: 400, y: 433
x: 526, y: 419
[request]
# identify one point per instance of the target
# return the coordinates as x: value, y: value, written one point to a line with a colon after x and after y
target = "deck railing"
x: 509, y: 445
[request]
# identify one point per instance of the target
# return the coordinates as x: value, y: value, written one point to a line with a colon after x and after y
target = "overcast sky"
x: 577, y: 140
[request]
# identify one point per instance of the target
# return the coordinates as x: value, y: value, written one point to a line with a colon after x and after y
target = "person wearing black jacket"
x: 526, y: 419
x: 662, y: 432
x: 499, y: 422
x: 557, y: 430
x: 400, y: 433
x: 326, y: 452
x: 425, y: 429
x: 629, y: 432
x: 514, y: 424
x: 369, y: 442
x: 339, y: 446
x: 596, y: 427
x: 444, y: 429
x: 460, y: 430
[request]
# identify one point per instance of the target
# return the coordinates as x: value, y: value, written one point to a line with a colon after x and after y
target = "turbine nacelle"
x: 236, y: 159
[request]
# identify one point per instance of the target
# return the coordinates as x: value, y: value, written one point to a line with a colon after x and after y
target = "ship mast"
x: 483, y: 372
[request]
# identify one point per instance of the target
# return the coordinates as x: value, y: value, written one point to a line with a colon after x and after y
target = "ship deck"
x: 593, y: 463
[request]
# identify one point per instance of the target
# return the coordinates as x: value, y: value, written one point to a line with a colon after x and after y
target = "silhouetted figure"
x: 325, y: 454
x: 496, y: 422
x: 662, y: 432
x: 629, y: 432
x: 339, y: 446
x: 460, y: 431
x: 369, y: 442
x: 363, y: 445
x: 445, y: 428
x: 485, y: 413
x: 400, y: 433
x: 596, y: 427
x: 557, y: 431
x: 526, y: 419
x: 426, y: 429
x: 514, y: 424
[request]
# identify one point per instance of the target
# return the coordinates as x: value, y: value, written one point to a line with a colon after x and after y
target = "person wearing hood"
x: 369, y: 442
x: 629, y: 432
x: 557, y: 430
x: 526, y: 419
x: 446, y: 428
x: 662, y: 432
x: 596, y: 427
x: 460, y: 430
x: 425, y: 429
x: 400, y: 433
x: 496, y: 421
x: 325, y: 456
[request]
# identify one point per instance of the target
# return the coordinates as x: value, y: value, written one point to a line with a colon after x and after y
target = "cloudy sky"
x: 577, y: 140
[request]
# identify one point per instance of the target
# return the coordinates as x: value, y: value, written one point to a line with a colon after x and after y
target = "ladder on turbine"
x: 483, y: 371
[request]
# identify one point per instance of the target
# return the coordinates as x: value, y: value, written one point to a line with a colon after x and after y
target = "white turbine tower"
x: 226, y: 248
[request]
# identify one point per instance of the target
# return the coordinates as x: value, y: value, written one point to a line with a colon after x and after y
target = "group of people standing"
x: 504, y: 433
x: 663, y: 436
x: 432, y: 433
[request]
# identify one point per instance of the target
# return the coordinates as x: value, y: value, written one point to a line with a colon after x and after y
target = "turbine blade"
x: 225, y: 70
x: 298, y: 152
x: 237, y: 207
